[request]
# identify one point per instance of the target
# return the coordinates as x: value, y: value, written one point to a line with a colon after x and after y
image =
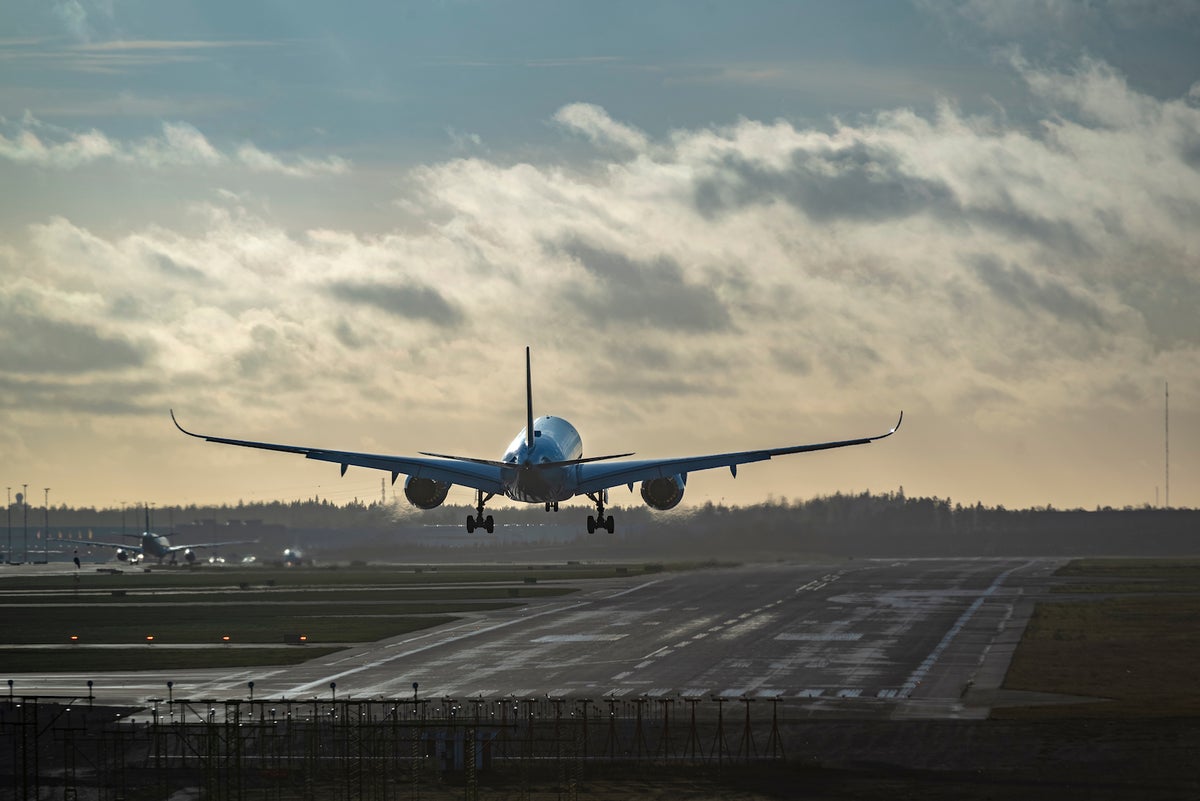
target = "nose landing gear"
x: 479, y: 521
x: 599, y: 521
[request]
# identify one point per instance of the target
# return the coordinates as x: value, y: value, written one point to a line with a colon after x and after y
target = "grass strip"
x: 1138, y: 651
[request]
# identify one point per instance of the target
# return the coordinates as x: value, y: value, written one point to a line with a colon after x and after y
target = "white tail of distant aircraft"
x: 543, y: 464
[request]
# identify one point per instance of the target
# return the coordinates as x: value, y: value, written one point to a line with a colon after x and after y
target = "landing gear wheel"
x: 478, y: 520
x: 600, y: 521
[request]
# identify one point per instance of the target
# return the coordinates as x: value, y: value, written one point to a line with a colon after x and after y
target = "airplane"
x: 543, y: 464
x: 155, y: 545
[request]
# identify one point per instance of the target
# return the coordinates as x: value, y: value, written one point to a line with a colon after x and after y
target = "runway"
x: 869, y: 638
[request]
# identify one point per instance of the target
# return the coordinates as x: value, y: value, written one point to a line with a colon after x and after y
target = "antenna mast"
x: 1167, y: 436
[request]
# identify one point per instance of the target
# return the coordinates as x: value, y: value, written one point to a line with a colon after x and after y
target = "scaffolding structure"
x: 347, y: 749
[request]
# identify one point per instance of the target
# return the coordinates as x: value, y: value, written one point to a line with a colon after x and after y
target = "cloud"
x: 413, y: 302
x: 594, y: 123
x: 1010, y: 19
x: 34, y: 342
x: 33, y: 142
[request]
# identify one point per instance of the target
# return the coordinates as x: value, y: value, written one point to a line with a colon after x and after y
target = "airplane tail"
x: 528, y: 402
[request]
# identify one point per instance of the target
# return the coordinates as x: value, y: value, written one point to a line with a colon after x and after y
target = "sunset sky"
x: 719, y: 226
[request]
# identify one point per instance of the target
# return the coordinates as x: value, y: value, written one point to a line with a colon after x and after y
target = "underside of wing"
x: 596, y: 477
x: 475, y: 474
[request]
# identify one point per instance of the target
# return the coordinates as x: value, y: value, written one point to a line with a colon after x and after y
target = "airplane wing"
x: 191, y: 547
x: 596, y: 477
x: 98, y: 544
x: 477, y: 475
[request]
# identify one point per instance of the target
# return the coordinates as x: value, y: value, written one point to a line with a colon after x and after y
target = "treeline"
x: 859, y: 524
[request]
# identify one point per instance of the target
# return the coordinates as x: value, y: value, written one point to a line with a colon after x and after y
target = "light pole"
x: 46, y: 530
x: 25, y: 510
x: 8, y: 553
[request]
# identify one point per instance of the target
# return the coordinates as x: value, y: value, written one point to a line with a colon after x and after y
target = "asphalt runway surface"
x: 903, y: 638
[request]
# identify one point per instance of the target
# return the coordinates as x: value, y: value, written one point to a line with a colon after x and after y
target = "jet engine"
x: 425, y: 493
x: 189, y: 555
x: 663, y: 493
x: 122, y: 555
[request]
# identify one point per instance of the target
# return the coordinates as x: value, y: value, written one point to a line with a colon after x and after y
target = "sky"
x: 719, y: 226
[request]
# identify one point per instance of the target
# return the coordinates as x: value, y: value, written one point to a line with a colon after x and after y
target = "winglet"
x: 528, y: 402
x: 896, y: 427
x: 181, y: 428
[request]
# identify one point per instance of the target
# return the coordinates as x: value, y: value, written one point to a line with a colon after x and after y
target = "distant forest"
x: 863, y: 524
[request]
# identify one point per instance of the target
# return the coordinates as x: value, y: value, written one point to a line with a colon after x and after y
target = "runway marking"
x: 634, y: 589
x: 622, y: 675
x: 923, y: 669
x: 552, y: 638
x: 849, y: 693
x: 847, y: 637
x: 811, y: 693
x: 641, y: 665
x: 322, y: 682
x: 693, y: 692
x: 551, y: 610
x: 658, y: 692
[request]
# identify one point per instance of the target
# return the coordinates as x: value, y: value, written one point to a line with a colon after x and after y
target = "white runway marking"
x: 578, y: 638
x: 819, y: 637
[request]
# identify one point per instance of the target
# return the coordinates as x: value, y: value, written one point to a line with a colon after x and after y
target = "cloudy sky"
x: 719, y: 226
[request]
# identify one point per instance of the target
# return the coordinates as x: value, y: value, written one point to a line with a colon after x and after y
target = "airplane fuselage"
x: 554, y: 440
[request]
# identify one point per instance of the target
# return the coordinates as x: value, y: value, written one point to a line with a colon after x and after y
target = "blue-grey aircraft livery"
x: 544, y: 464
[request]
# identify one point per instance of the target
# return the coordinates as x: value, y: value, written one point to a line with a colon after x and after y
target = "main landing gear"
x: 479, y: 521
x: 600, y: 521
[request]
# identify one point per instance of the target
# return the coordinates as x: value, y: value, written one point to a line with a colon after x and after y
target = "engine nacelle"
x: 122, y: 555
x: 663, y: 493
x: 189, y: 555
x: 425, y: 493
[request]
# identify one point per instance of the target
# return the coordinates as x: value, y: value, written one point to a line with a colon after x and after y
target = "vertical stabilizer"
x: 528, y: 402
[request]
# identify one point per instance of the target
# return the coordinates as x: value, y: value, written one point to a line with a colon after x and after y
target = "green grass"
x: 1138, y: 650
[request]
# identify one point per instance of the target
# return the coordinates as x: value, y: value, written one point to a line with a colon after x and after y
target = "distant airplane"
x: 156, y: 546
x: 543, y: 464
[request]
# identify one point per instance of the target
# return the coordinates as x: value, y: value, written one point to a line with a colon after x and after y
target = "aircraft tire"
x: 470, y: 524
x: 489, y: 524
x: 591, y: 525
x: 610, y: 525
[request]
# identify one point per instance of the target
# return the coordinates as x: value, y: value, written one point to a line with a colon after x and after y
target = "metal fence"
x: 364, y: 749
